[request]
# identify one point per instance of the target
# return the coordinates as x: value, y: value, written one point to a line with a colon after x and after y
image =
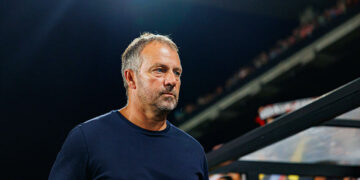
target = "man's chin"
x: 167, y: 107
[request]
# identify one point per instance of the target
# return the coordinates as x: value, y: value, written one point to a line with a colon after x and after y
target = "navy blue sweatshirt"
x: 110, y: 147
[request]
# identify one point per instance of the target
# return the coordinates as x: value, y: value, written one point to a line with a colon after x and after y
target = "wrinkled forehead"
x: 160, y: 53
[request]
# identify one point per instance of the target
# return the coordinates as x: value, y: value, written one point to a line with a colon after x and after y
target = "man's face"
x: 158, y: 79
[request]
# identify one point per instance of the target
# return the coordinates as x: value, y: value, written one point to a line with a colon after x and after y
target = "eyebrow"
x: 162, y: 65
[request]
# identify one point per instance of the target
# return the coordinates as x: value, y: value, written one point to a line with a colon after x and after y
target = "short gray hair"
x: 131, y: 58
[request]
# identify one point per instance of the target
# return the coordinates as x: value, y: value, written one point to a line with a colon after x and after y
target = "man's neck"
x: 146, y: 119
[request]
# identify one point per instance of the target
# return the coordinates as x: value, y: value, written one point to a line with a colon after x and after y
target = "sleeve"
x: 71, y: 161
x: 205, y: 168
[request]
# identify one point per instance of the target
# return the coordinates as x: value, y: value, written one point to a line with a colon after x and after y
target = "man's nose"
x: 171, y: 80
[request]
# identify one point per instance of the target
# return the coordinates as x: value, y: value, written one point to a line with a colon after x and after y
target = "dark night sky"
x: 60, y: 63
x: 58, y: 41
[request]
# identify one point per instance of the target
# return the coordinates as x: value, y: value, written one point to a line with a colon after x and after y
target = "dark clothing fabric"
x: 110, y: 147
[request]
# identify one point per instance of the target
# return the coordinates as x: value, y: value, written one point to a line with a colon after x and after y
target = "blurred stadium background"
x: 60, y: 65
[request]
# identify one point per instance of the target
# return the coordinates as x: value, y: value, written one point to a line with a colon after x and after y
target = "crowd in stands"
x: 238, y: 176
x: 310, y: 20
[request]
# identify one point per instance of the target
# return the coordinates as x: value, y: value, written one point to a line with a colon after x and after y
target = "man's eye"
x: 177, y: 73
x: 159, y: 70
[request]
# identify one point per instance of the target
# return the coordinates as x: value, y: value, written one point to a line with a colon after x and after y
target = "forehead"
x: 160, y: 53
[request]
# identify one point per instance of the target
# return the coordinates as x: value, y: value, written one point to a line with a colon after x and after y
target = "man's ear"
x: 130, y: 78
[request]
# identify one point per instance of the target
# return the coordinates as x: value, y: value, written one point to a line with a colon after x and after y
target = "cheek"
x: 150, y: 81
x: 154, y: 84
x: 178, y: 86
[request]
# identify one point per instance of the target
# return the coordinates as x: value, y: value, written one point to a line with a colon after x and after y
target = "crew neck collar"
x: 145, y: 131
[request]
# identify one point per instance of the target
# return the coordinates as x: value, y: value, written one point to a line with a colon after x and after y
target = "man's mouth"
x: 168, y: 94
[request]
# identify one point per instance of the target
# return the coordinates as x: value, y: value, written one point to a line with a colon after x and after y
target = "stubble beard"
x: 165, y: 104
x: 161, y: 102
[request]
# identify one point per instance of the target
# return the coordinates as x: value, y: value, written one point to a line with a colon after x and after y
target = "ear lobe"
x: 130, y: 78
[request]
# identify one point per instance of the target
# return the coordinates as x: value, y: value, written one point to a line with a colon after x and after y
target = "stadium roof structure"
x: 301, y: 57
x: 319, y: 139
x: 329, y: 48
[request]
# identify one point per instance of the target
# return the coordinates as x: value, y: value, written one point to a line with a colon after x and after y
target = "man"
x: 136, y: 142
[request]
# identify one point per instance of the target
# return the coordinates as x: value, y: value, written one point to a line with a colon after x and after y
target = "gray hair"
x: 131, y: 58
